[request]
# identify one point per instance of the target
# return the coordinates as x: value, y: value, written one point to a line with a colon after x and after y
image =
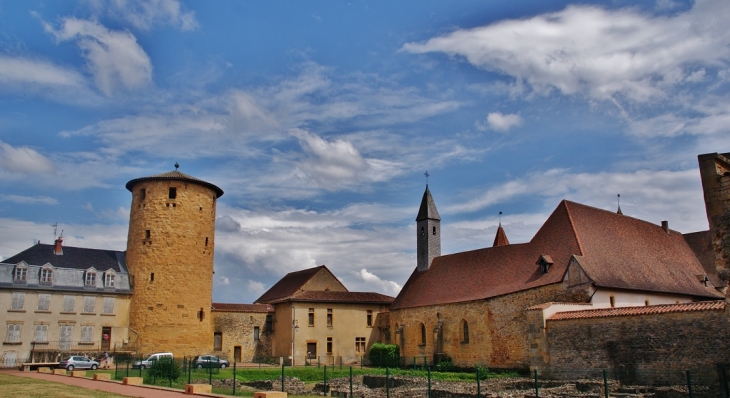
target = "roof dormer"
x: 545, y: 261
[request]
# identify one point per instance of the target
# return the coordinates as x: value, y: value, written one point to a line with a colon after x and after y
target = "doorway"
x: 237, y: 353
x: 311, y: 350
x: 106, y: 338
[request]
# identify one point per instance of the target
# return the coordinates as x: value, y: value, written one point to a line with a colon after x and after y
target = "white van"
x: 151, y: 359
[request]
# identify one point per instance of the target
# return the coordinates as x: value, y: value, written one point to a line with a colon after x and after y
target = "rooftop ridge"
x: 643, y: 310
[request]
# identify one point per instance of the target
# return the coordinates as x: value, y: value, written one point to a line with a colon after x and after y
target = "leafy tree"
x: 384, y: 355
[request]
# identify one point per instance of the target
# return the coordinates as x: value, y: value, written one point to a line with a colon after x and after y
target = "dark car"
x: 209, y: 361
x: 72, y: 363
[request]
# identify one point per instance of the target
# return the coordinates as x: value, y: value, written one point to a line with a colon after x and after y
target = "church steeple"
x: 500, y: 239
x: 428, y: 232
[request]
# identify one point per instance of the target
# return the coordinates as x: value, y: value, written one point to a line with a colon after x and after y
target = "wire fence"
x: 319, y: 378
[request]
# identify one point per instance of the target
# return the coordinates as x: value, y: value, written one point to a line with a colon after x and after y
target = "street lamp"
x: 294, y: 329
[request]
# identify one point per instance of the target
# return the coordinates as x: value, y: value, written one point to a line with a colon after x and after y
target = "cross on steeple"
x: 427, y: 175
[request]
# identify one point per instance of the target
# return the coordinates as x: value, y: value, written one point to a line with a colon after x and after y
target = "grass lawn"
x: 13, y: 386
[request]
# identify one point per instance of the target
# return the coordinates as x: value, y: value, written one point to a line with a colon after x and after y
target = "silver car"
x: 72, y: 363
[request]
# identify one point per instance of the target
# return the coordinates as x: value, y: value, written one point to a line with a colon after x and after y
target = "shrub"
x: 445, y: 364
x: 165, y: 368
x: 384, y: 355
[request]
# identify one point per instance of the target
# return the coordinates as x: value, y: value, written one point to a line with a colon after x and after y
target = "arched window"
x: 464, y: 331
x: 423, y: 334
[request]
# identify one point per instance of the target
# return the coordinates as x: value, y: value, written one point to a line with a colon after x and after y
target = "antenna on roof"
x: 177, y: 166
x: 500, y: 218
x: 55, y: 231
x: 618, y: 201
x: 427, y: 175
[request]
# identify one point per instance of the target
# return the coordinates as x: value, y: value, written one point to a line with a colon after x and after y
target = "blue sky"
x: 318, y: 119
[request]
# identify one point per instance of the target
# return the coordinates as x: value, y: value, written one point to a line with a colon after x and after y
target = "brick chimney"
x: 58, y: 249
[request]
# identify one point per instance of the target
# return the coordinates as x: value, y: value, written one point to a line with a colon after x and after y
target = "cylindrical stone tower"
x: 170, y: 259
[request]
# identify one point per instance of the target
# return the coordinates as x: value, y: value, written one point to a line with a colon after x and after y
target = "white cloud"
x: 24, y: 70
x: 114, y: 58
x: 255, y: 287
x: 222, y: 280
x: 28, y: 200
x: 391, y: 288
x: 602, y: 54
x: 23, y: 160
x: 501, y: 122
x: 145, y: 14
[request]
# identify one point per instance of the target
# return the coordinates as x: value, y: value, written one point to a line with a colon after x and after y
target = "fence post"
x: 325, y: 381
x: 127, y: 366
x: 429, y: 381
x: 689, y: 384
x: 605, y: 384
x: 361, y: 358
x: 172, y: 363
x: 210, y: 372
x: 282, y: 377
x: 414, y: 363
x: 190, y: 368
x: 340, y: 362
x: 387, y: 383
x: 234, y: 377
x: 479, y: 389
x: 537, y: 389
x: 116, y: 369
x: 351, y: 382
x: 140, y: 367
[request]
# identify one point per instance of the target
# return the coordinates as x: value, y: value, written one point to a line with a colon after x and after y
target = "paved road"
x: 108, y: 386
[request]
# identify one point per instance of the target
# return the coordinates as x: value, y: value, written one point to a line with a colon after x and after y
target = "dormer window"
x: 21, y: 273
x: 544, y: 262
x: 46, y: 276
x: 90, y: 277
x: 109, y: 277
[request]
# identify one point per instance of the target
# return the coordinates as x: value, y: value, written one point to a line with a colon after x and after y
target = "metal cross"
x: 427, y: 175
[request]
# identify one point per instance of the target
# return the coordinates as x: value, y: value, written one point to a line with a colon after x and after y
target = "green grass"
x: 15, y: 386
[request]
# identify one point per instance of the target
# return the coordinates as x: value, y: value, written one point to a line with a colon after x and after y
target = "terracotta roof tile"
x: 293, y: 282
x: 174, y: 175
x: 618, y: 252
x: 258, y: 308
x: 500, y: 239
x: 340, y: 297
x: 646, y: 310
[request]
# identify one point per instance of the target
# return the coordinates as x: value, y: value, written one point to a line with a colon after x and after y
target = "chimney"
x: 58, y: 249
x: 665, y: 226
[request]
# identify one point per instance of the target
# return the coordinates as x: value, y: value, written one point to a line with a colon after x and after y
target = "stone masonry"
x: 170, y: 258
x: 715, y: 174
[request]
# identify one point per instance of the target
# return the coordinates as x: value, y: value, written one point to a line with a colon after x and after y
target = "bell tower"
x: 428, y: 232
x: 715, y: 174
x: 170, y: 259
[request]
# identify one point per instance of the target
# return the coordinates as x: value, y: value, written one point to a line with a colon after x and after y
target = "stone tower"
x: 428, y: 232
x: 170, y: 259
x: 715, y: 174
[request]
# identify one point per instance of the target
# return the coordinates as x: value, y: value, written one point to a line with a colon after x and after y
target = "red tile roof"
x: 646, y: 310
x: 226, y: 307
x: 340, y: 297
x: 291, y: 283
x: 617, y: 252
x: 500, y: 239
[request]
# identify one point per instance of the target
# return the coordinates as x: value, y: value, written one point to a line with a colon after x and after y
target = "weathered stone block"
x: 269, y: 394
x: 78, y: 373
x: 191, y: 389
x: 132, y: 381
x: 102, y: 376
x: 59, y: 372
x: 44, y: 369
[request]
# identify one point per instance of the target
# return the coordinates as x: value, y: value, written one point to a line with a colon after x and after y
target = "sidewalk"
x: 107, y: 386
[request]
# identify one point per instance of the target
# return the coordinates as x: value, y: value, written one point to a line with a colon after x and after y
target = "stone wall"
x: 237, y: 330
x: 497, y: 329
x: 715, y: 174
x: 683, y: 340
x: 170, y: 259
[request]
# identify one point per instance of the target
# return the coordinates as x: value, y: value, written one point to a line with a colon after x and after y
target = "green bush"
x: 445, y: 364
x: 165, y: 368
x: 384, y: 355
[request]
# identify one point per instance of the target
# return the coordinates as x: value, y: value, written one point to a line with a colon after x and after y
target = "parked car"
x: 144, y: 364
x: 71, y: 363
x: 210, y: 361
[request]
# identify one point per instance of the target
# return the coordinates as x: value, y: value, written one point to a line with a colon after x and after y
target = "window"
x: 147, y: 234
x: 69, y: 303
x: 311, y: 317
x: 329, y: 317
x: 152, y: 277
x: 41, y: 334
x: 434, y: 230
x: 108, y: 305
x: 370, y: 318
x: 44, y: 302
x: 172, y: 194
x: 612, y: 301
x: 90, y: 278
x: 18, y: 301
x: 464, y: 331
x: 269, y: 323
x: 86, y: 334
x: 217, y: 341
x: 142, y: 194
x: 256, y: 333
x: 13, y: 335
x: 66, y: 332
x: 109, y: 279
x: 329, y: 345
x: 360, y: 344
x: 423, y: 335
x: 423, y: 231
x: 89, y: 304
x: 46, y: 276
x: 21, y: 273
x: 206, y: 241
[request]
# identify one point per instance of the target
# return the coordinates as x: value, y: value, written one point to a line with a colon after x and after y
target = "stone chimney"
x: 665, y: 226
x: 715, y: 174
x: 58, y: 249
